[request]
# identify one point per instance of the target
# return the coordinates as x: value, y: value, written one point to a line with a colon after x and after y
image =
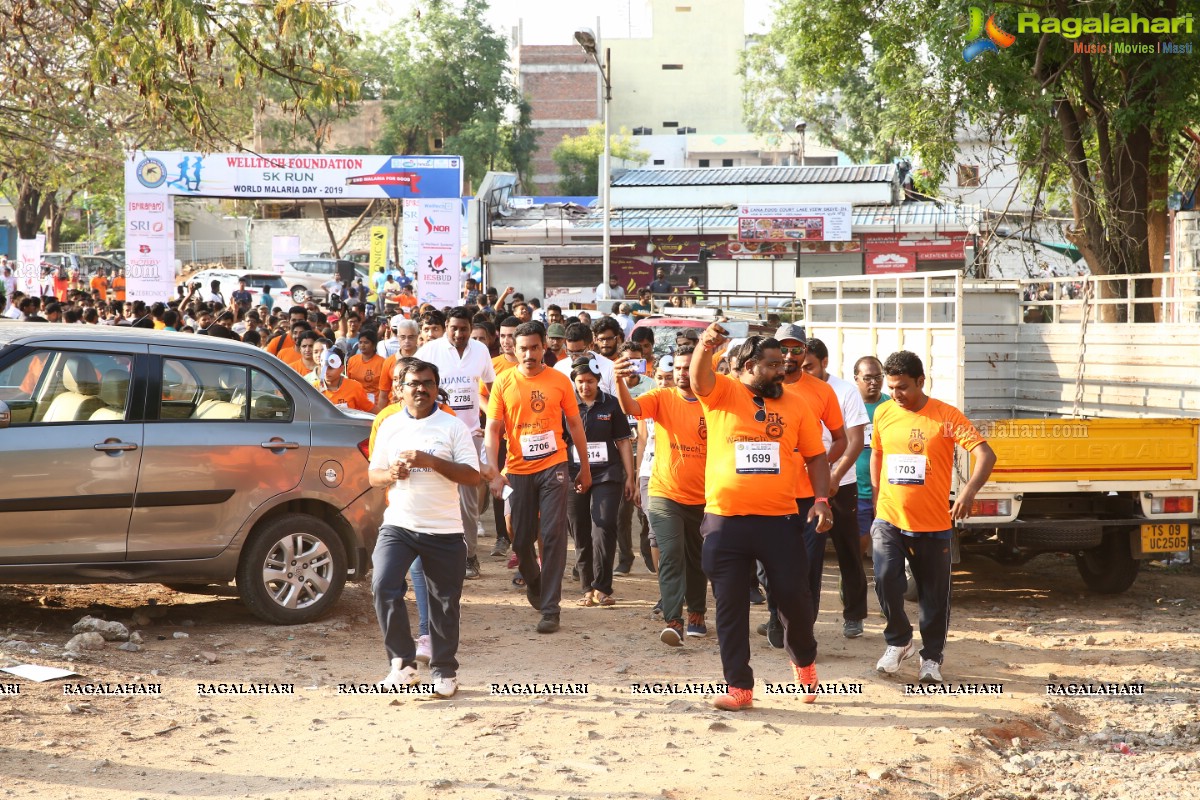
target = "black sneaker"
x: 501, y: 548
x: 658, y: 608
x: 775, y: 632
x: 533, y: 593
x: 756, y: 596
x: 852, y: 628
x: 622, y: 569
x: 473, y: 567
x: 549, y: 623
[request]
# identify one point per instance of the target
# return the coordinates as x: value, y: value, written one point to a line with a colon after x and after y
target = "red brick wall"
x: 570, y: 98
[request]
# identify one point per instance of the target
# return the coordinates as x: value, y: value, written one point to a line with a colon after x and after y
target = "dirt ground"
x: 1018, y: 626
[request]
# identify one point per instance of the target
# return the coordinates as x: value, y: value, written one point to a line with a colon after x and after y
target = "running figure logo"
x: 184, y: 181
x: 982, y: 37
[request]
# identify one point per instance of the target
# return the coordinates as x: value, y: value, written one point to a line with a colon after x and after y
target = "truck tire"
x: 1111, y: 567
x: 292, y: 570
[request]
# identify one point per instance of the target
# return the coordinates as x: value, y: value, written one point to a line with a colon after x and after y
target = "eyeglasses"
x: 876, y: 378
x: 421, y: 384
x: 761, y: 414
x: 795, y: 351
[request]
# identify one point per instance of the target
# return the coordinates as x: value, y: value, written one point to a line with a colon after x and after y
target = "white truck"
x: 1096, y: 424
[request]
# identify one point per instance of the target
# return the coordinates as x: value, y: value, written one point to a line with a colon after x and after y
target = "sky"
x: 551, y: 21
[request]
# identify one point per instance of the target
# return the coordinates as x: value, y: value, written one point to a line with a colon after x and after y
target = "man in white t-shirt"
x: 463, y: 364
x: 844, y: 500
x: 421, y: 457
x: 579, y: 344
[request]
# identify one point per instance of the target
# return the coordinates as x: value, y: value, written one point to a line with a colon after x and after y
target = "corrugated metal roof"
x: 924, y: 213
x: 741, y: 176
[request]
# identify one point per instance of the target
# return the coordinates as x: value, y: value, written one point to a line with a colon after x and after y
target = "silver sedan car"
x: 135, y: 456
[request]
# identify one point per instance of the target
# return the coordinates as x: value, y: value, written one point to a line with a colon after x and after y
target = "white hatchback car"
x: 256, y: 280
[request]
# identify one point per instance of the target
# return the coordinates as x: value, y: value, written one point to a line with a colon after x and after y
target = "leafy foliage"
x: 578, y: 159
x: 445, y: 77
x: 885, y: 78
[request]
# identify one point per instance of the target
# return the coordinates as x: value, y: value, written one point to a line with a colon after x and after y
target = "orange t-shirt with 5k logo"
x: 752, y: 465
x: 532, y: 411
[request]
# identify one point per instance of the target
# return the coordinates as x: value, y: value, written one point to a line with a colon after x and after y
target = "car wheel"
x: 292, y: 570
x: 299, y: 293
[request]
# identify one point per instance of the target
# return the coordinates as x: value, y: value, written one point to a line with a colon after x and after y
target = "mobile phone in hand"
x: 638, y: 365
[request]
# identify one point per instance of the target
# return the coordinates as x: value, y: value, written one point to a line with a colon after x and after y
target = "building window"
x: 968, y: 175
x: 658, y: 162
x: 726, y: 162
x: 704, y: 162
x: 672, y: 66
x: 643, y: 131
x: 670, y: 124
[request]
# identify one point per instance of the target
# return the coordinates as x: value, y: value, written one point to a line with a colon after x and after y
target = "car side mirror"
x: 5, y: 415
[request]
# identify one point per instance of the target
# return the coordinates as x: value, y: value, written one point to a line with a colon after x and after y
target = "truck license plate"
x: 1164, y: 537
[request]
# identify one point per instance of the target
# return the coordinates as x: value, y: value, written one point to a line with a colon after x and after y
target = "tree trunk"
x: 1157, y: 220
x: 337, y: 253
x: 32, y: 208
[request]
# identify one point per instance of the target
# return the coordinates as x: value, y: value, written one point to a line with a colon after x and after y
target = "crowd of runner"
x: 738, y: 461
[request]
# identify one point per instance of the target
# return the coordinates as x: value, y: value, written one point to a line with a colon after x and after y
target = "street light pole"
x: 587, y: 40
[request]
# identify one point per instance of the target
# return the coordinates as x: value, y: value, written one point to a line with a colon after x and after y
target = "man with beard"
x: 676, y: 492
x: 759, y: 438
x: 823, y: 402
x: 421, y: 457
x: 556, y: 339
x: 530, y: 404
x: 464, y: 365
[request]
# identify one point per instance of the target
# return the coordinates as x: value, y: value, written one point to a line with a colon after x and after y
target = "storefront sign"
x: 785, y: 223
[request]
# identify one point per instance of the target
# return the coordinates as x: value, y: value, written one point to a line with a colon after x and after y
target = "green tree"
x: 448, y: 88
x: 578, y: 159
x: 1098, y: 128
x: 84, y: 81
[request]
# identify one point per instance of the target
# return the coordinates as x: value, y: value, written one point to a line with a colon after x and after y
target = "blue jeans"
x: 444, y: 557
x: 929, y: 556
x: 866, y: 515
x: 417, y: 574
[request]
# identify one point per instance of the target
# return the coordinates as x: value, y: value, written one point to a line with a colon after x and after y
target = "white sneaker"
x: 424, y: 651
x: 445, y: 687
x: 889, y: 662
x: 400, y: 675
x: 931, y: 672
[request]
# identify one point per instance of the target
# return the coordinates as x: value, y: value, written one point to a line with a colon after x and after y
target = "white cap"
x: 396, y: 320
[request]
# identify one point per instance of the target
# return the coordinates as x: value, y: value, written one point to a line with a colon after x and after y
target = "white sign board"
x: 149, y: 247
x: 829, y: 222
x: 29, y: 264
x: 187, y: 173
x: 439, y: 231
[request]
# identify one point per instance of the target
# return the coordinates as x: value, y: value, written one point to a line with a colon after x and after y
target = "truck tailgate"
x: 1093, y: 450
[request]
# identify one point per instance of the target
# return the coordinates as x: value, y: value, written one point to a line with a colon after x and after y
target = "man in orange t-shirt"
x: 912, y: 461
x: 676, y: 492
x: 820, y: 397
x: 99, y: 284
x: 759, y: 437
x: 529, y: 403
x: 119, y: 286
x: 367, y: 367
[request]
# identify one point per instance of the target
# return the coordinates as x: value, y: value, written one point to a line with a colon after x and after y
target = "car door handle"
x: 110, y: 447
x: 279, y: 444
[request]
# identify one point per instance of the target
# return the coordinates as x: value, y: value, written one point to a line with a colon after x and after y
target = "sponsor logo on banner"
x: 829, y: 222
x: 150, y: 245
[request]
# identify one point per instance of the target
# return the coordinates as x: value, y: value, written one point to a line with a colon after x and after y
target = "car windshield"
x: 259, y: 281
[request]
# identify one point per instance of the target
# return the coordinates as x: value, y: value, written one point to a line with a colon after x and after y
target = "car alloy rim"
x: 298, y: 570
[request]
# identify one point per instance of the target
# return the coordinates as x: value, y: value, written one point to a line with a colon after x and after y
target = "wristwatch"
x: 824, y: 500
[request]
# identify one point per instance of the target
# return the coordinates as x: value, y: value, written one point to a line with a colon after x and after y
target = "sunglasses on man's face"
x: 795, y: 351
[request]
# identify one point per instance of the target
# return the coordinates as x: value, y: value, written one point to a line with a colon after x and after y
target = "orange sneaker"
x: 807, y: 678
x: 735, y: 699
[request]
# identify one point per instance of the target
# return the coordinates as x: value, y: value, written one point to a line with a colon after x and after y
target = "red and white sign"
x: 29, y: 264
x: 923, y: 246
x: 436, y: 229
x: 887, y: 263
